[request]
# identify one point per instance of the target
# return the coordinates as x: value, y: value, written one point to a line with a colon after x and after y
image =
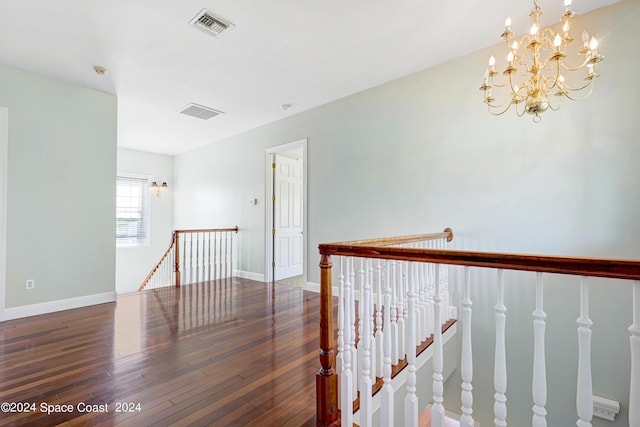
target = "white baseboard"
x: 60, y: 305
x: 315, y: 287
x: 258, y: 277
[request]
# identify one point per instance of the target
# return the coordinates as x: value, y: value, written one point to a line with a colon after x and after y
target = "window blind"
x: 132, y: 211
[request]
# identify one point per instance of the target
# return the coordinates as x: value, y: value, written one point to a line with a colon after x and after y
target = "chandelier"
x: 536, y: 68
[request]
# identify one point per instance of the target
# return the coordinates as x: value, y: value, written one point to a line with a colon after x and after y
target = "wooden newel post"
x: 326, y: 378
x: 176, y: 267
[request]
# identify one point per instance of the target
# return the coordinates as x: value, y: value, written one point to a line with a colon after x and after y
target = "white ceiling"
x: 300, y: 52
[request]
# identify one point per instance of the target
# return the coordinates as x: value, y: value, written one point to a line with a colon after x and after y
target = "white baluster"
x: 426, y: 331
x: 539, y: 367
x: 422, y: 307
x: 360, y: 319
x: 216, y: 255
x: 430, y: 289
x: 634, y: 340
x: 341, y: 324
x: 379, y: 337
x: 209, y: 256
x: 346, y: 379
x: 584, y: 394
x: 411, y: 400
x: 395, y: 352
x: 230, y: 255
x: 371, y: 317
x: 354, y: 348
x: 402, y: 310
x: 466, y: 365
x: 437, y: 410
x: 500, y: 358
x: 445, y: 286
x: 366, y: 406
x: 386, y: 406
x: 416, y: 307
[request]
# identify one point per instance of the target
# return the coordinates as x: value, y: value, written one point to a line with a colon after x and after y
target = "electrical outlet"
x: 30, y: 284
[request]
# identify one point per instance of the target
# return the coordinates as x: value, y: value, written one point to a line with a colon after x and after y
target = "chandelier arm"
x: 555, y: 78
x: 583, y: 98
x: 548, y: 35
x: 513, y: 91
x: 559, y: 104
x: 494, y: 84
x: 508, y: 104
x: 576, y: 68
x: 579, y: 89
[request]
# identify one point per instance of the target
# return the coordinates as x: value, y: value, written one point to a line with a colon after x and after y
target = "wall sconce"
x: 157, y: 189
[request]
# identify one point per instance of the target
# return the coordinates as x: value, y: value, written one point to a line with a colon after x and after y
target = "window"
x: 132, y: 211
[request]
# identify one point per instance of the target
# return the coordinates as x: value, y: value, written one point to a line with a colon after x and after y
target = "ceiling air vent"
x: 199, y: 111
x: 210, y: 23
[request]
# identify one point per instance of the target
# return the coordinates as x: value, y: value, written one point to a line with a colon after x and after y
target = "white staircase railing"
x: 400, y: 292
x: 194, y: 256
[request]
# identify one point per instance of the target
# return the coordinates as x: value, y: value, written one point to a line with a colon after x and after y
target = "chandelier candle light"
x: 535, y: 67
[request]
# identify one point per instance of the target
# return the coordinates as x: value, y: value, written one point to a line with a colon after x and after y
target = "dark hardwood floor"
x: 230, y: 352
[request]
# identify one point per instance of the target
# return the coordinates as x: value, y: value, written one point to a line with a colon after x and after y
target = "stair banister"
x: 175, y: 257
x: 158, y: 265
x: 326, y: 378
x: 576, y: 266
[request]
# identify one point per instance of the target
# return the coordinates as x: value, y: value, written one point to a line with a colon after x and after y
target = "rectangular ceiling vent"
x: 199, y: 111
x: 210, y: 23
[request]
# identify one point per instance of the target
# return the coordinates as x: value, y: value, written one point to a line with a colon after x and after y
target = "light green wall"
x: 133, y: 264
x: 61, y: 189
x: 421, y: 153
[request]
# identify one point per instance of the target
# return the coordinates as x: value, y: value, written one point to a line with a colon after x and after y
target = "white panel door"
x: 287, y: 219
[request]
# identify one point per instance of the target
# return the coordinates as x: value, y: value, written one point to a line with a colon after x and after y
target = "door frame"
x: 269, y: 204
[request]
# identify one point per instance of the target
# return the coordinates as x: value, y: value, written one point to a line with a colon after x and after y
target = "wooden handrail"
x: 581, y: 266
x: 388, y: 241
x: 207, y: 230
